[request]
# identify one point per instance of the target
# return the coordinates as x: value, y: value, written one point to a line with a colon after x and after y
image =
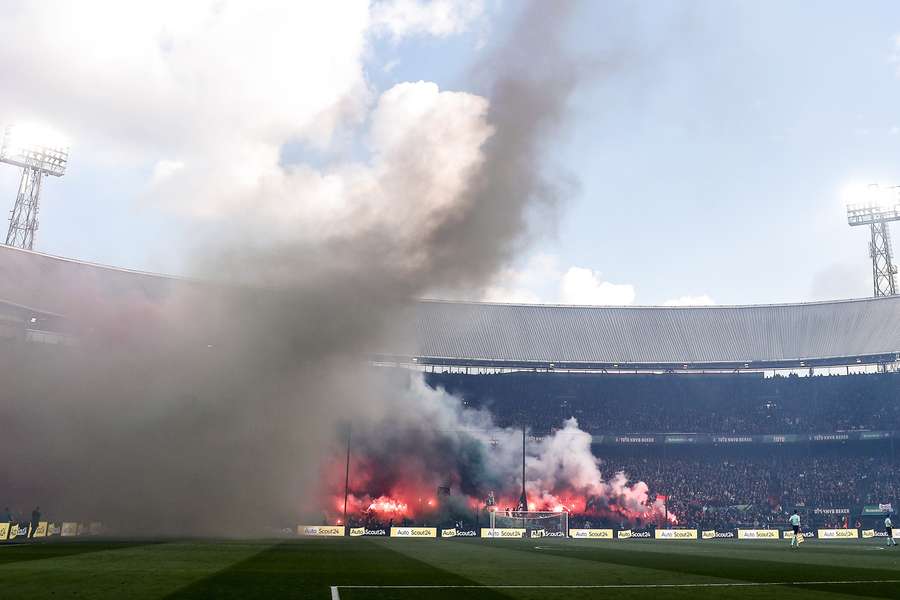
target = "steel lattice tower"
x: 877, y: 215
x: 883, y: 268
x: 23, y: 221
x: 21, y: 147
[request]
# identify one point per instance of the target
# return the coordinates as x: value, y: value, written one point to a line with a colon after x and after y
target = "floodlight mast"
x: 877, y: 215
x: 36, y: 160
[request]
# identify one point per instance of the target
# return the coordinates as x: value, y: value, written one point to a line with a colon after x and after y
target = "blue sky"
x: 710, y: 145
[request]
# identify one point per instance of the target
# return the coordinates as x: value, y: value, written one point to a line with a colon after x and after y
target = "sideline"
x: 335, y: 594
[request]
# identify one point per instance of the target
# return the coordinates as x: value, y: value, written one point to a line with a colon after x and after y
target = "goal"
x: 529, y: 524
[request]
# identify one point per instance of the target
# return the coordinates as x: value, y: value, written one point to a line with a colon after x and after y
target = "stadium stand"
x: 727, y: 448
x: 822, y: 444
x: 715, y: 404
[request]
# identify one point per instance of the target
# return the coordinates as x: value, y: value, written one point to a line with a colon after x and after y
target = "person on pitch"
x: 795, y: 525
x: 889, y: 529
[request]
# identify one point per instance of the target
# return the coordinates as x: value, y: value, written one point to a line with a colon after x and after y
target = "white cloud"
x: 437, y: 17
x: 701, y: 300
x: 423, y: 143
x: 528, y: 285
x: 542, y: 280
x: 164, y: 169
x: 224, y: 86
x: 585, y: 286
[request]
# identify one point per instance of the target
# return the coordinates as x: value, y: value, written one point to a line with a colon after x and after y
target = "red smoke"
x: 433, y: 460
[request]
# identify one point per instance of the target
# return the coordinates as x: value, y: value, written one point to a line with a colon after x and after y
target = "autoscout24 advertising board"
x: 41, y: 530
x: 448, y: 533
x: 321, y: 530
x: 789, y: 535
x: 414, y: 532
x: 676, y: 534
x: 17, y: 530
x: 712, y: 534
x: 868, y: 534
x: 362, y: 531
x: 634, y: 534
x: 592, y: 534
x: 838, y: 534
x: 507, y: 532
x: 758, y: 534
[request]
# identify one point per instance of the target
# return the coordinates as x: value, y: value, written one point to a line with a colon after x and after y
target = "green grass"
x: 309, y: 568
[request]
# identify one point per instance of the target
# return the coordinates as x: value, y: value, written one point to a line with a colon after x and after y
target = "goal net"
x: 529, y: 524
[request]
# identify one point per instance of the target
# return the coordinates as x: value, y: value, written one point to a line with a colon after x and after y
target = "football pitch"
x: 364, y: 569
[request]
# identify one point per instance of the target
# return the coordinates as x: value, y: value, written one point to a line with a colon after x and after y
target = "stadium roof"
x: 756, y: 336
x: 550, y: 336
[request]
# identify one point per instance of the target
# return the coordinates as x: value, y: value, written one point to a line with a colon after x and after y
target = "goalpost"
x: 536, y: 523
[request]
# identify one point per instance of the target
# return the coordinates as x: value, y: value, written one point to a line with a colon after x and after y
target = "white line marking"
x: 611, y: 586
x: 335, y: 595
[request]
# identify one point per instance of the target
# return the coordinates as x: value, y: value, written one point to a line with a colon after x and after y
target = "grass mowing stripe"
x: 308, y: 568
x: 740, y: 569
x: 58, y: 549
x: 141, y: 572
x: 492, y: 562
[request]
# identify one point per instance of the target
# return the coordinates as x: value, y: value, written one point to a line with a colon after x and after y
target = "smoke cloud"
x: 205, y: 407
x: 431, y: 459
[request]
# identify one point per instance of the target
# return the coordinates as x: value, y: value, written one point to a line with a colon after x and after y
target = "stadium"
x: 395, y: 299
x: 733, y: 417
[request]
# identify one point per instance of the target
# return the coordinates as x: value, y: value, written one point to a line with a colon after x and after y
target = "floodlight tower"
x: 880, y: 208
x: 38, y: 155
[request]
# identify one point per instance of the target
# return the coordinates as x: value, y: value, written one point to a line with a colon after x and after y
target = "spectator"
x: 35, y: 519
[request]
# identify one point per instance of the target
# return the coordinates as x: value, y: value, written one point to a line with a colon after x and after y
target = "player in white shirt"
x: 889, y: 528
x: 795, y: 525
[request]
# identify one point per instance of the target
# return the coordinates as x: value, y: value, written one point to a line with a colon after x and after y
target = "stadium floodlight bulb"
x: 34, y: 146
x: 870, y: 194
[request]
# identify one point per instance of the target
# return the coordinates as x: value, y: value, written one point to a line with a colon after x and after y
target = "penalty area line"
x: 335, y: 595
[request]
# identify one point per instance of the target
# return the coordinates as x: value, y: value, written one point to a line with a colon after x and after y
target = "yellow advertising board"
x: 41, y: 530
x: 675, y: 534
x: 506, y: 532
x: 69, y: 529
x: 414, y: 532
x: 591, y: 534
x: 868, y: 533
x: 758, y: 534
x: 838, y: 534
x: 320, y: 530
x: 4, y: 531
x: 17, y: 530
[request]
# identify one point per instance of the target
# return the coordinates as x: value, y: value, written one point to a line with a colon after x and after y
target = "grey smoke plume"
x: 201, y: 407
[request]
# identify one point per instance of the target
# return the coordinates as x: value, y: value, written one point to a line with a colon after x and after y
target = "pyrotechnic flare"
x: 430, y: 441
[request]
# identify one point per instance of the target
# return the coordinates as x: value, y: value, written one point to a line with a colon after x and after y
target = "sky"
x: 704, y: 159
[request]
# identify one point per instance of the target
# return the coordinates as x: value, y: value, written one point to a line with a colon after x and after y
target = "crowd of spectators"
x: 714, y: 491
x: 715, y: 404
